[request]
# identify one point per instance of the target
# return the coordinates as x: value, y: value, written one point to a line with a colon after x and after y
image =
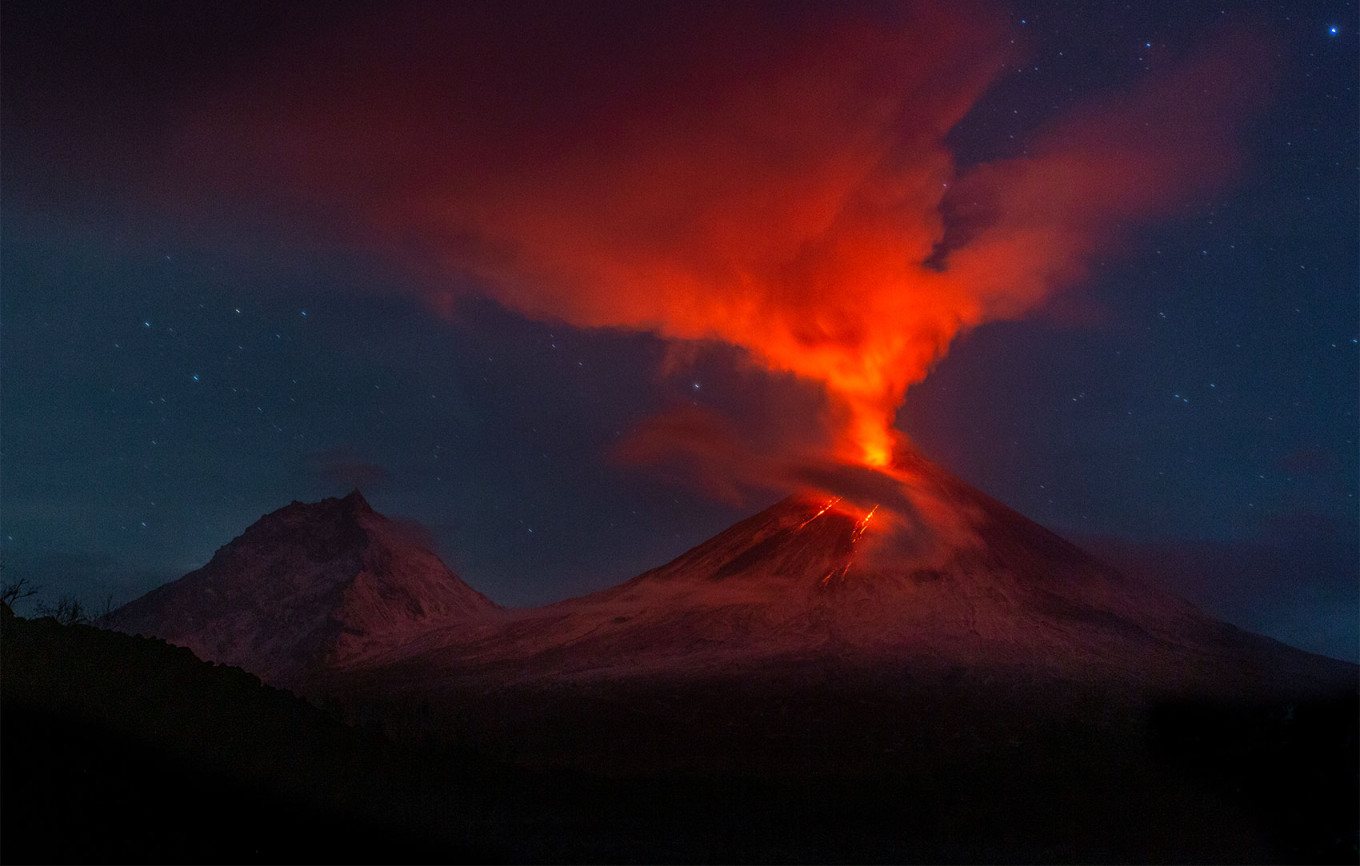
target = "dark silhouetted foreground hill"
x: 125, y: 749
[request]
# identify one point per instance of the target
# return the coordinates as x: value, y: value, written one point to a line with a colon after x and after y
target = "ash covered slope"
x: 949, y: 576
x: 307, y: 586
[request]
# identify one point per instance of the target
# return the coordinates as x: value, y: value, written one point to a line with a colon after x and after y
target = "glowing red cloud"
x: 771, y: 181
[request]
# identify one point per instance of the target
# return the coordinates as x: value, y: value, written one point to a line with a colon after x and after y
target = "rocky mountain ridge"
x: 306, y: 587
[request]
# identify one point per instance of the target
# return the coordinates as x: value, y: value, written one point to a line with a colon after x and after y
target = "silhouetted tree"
x: 68, y: 611
x: 104, y: 619
x: 17, y: 591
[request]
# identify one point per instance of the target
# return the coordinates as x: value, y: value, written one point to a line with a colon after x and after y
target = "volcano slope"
x: 938, y: 679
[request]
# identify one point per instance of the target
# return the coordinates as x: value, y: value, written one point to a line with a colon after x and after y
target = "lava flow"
x: 825, y: 509
x: 860, y: 526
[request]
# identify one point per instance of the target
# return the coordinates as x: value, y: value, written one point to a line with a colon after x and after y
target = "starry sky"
x: 255, y: 253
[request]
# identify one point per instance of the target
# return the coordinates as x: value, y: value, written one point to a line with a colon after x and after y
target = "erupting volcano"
x: 576, y: 285
x: 942, y: 576
x: 937, y: 575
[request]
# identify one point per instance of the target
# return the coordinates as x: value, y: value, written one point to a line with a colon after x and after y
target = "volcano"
x: 942, y: 577
x: 304, y: 588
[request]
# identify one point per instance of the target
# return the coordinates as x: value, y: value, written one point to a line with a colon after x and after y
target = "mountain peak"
x: 351, y: 505
x: 356, y: 502
x: 939, y: 570
x: 309, y: 585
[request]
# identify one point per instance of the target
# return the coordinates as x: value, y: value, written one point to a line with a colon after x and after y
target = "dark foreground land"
x: 118, y: 748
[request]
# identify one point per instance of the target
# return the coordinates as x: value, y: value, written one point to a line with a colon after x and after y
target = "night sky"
x: 493, y: 264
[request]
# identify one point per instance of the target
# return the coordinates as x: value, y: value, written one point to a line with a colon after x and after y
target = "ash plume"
x: 776, y: 179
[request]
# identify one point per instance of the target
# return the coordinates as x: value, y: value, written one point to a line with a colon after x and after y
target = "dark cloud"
x: 343, y: 468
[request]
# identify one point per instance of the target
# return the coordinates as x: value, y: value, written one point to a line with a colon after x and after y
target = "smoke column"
x: 777, y: 180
